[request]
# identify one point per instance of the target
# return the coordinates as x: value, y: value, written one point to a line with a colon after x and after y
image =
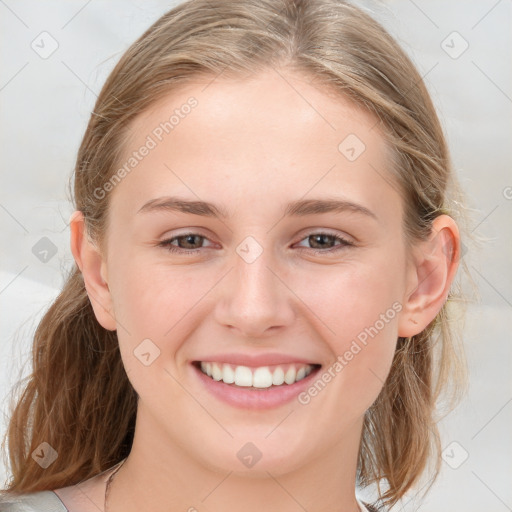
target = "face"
x: 267, y: 284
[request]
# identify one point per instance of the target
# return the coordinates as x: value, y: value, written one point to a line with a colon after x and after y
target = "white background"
x: 45, y: 105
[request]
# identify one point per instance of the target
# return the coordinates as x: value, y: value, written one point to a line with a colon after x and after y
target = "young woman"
x: 265, y: 240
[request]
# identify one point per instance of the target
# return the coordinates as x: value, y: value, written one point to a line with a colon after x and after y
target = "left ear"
x: 433, y: 268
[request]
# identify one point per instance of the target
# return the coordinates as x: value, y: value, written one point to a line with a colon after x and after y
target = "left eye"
x: 318, y: 239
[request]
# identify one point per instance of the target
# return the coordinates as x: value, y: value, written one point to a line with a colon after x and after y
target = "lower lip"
x: 254, y: 398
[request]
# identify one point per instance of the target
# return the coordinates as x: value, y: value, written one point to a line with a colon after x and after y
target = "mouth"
x: 254, y: 387
x: 261, y: 377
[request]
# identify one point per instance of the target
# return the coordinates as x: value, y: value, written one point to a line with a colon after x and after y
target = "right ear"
x: 94, y: 270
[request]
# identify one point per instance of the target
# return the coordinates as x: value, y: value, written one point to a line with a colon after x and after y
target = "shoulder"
x: 367, y: 507
x: 41, y: 501
x: 371, y: 508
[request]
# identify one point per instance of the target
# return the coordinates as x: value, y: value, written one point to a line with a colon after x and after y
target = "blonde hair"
x: 78, y: 397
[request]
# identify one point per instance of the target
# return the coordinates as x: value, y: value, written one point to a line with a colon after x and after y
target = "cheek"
x: 349, y: 299
x: 149, y: 310
x: 357, y: 312
x: 150, y: 295
x: 158, y: 303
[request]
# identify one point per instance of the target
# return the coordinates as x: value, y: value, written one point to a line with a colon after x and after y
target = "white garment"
x: 361, y: 506
x: 48, y: 501
x: 42, y: 501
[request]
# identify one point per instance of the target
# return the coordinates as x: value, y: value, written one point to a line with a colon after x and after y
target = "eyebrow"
x: 293, y: 209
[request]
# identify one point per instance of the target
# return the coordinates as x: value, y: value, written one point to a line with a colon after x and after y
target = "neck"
x: 159, y: 475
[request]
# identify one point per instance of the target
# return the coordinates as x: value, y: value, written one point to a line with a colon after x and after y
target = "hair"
x: 78, y: 397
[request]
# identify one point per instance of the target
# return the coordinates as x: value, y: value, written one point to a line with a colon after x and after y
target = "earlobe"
x: 93, y: 267
x: 430, y: 277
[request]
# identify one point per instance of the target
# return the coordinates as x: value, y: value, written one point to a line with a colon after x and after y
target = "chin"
x: 255, y: 459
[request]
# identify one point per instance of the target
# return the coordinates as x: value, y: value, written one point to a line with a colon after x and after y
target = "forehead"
x: 245, y: 142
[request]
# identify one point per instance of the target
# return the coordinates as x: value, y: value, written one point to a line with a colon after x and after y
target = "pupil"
x: 321, y: 237
x: 189, y: 239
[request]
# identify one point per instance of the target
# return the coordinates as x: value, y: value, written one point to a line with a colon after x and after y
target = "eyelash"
x: 166, y: 244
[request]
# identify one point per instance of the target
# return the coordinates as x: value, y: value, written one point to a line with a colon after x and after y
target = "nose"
x: 256, y: 301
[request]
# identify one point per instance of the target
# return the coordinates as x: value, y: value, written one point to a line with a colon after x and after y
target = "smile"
x: 258, y: 377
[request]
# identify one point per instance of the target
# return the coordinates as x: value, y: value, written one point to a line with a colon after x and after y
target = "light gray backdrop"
x: 56, y: 55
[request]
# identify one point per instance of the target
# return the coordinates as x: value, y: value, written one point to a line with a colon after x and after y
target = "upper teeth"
x: 261, y: 377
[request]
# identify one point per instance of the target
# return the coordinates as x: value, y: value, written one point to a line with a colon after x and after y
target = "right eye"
x: 186, y: 239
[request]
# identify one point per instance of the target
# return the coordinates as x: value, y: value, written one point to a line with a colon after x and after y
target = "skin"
x: 252, y: 146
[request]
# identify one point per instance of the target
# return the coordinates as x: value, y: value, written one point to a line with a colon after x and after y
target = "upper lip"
x: 255, y: 360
